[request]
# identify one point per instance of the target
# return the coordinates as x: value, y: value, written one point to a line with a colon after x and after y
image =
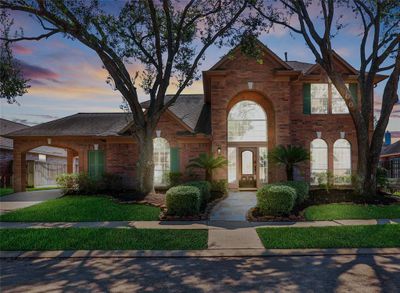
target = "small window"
x: 42, y: 158
x: 338, y: 104
x: 231, y: 165
x: 319, y: 161
x: 263, y: 153
x: 319, y: 98
x: 342, y: 161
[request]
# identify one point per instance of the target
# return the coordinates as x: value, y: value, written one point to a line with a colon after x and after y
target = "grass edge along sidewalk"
x: 102, y: 239
x: 364, y: 236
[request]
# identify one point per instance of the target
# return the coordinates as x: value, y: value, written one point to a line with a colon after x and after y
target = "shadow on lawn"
x: 317, y: 274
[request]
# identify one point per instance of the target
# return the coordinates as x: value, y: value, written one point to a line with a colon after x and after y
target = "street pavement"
x: 340, y: 273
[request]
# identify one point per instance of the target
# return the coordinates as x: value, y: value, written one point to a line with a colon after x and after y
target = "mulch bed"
x: 254, y: 215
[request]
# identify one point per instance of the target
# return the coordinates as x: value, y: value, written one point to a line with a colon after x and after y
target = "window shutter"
x: 307, y: 98
x: 174, y: 153
x: 96, y: 163
x: 353, y: 91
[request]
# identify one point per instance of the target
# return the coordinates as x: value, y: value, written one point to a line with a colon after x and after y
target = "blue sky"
x: 67, y: 78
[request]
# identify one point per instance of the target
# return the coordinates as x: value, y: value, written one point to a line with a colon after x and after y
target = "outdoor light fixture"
x: 219, y: 150
x: 250, y: 85
x: 319, y: 134
x: 96, y: 146
x: 342, y: 134
x: 158, y: 133
x: 49, y: 140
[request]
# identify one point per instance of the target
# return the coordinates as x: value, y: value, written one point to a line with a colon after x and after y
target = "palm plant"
x: 208, y: 163
x: 289, y: 157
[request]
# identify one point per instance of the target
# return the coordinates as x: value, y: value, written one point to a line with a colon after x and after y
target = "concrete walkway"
x: 234, y: 207
x: 25, y: 199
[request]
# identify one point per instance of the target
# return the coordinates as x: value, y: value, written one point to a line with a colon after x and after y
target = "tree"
x: 208, y: 163
x: 379, y: 51
x: 289, y: 157
x: 169, y: 38
x: 12, y: 83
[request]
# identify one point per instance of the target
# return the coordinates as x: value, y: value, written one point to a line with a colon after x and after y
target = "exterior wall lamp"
x: 250, y: 85
x: 158, y: 133
x: 49, y: 140
x: 219, y: 150
x: 342, y: 134
x: 319, y: 134
x: 96, y: 146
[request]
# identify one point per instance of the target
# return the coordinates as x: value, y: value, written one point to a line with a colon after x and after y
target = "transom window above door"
x: 247, y: 121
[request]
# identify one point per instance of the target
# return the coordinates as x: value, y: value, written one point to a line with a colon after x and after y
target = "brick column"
x: 19, y: 171
x: 83, y: 160
x: 70, y: 161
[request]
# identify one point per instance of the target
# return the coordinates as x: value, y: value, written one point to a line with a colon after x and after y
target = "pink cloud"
x: 21, y: 50
x: 38, y: 73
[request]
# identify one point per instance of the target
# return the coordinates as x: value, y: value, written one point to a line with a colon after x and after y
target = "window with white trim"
x: 319, y: 98
x: 342, y: 161
x: 338, y: 104
x: 161, y: 157
x: 319, y: 161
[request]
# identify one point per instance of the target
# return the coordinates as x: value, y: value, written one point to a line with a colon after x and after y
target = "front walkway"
x: 25, y: 199
x: 234, y: 207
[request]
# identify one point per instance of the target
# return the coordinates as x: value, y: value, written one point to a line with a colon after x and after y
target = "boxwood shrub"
x: 276, y: 200
x: 183, y: 201
x: 205, y: 188
x: 302, y: 189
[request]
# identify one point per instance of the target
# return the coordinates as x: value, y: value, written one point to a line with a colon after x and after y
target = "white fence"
x: 43, y: 173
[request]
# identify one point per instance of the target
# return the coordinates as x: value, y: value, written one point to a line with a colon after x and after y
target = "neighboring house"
x: 43, y: 164
x: 390, y: 157
x: 248, y: 107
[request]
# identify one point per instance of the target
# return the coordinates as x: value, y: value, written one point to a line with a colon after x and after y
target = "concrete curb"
x: 195, y: 253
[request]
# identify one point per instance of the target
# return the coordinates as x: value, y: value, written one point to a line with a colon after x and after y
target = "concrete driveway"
x: 338, y: 273
x: 25, y: 199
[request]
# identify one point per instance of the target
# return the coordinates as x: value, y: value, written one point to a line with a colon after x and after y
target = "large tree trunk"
x: 145, y: 164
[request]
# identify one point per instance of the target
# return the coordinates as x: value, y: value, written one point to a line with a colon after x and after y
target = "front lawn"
x: 331, y: 237
x: 83, y: 209
x: 101, y: 238
x: 6, y: 191
x: 340, y: 211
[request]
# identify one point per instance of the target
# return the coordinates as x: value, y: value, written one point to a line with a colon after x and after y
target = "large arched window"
x: 342, y: 161
x: 161, y: 157
x: 247, y: 122
x: 319, y: 161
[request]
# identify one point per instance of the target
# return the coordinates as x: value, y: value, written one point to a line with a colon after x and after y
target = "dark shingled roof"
x: 81, y: 124
x: 7, y: 126
x: 300, y: 66
x: 391, y: 149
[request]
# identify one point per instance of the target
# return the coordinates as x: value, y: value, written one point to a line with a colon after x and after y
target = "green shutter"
x: 174, y: 153
x: 96, y: 164
x: 307, y: 98
x: 353, y: 91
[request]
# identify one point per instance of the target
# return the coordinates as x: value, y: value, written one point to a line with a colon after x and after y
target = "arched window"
x: 247, y: 122
x: 319, y: 161
x: 161, y: 157
x: 342, y: 161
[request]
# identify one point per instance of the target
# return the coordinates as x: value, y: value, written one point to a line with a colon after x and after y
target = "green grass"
x: 41, y: 188
x: 6, y: 191
x: 82, y: 209
x: 101, y: 238
x: 351, y: 211
x: 331, y: 237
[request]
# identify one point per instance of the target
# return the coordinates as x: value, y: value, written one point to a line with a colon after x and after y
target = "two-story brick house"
x: 248, y: 107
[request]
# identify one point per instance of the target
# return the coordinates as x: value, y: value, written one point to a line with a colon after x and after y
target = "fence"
x: 43, y: 173
x: 393, y: 167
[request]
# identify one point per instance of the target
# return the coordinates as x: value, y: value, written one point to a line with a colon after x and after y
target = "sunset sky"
x: 67, y: 78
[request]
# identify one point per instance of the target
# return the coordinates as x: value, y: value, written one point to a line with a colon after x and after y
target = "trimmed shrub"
x: 111, y: 183
x: 68, y: 183
x: 174, y: 178
x: 183, y: 200
x: 276, y: 200
x: 219, y: 186
x: 205, y: 188
x: 302, y: 188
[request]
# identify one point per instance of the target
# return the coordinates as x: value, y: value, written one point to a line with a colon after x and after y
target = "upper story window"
x: 324, y: 98
x: 247, y: 121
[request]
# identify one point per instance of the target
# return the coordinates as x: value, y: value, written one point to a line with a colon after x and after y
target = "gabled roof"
x: 81, y: 124
x: 7, y: 126
x: 391, y: 150
x: 300, y: 66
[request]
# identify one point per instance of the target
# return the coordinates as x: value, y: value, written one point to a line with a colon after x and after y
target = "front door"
x: 247, y: 167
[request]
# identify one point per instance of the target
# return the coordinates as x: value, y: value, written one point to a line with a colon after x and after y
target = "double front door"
x: 247, y: 167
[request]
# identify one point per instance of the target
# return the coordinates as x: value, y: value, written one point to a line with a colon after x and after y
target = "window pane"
x: 161, y: 157
x: 342, y: 161
x: 263, y: 153
x: 247, y: 122
x: 247, y: 162
x: 319, y: 98
x: 319, y: 160
x: 338, y: 104
x: 231, y: 165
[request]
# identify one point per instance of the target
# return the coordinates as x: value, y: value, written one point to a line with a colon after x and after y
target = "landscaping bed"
x: 79, y: 208
x: 6, y: 191
x: 102, y: 238
x: 377, y: 236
